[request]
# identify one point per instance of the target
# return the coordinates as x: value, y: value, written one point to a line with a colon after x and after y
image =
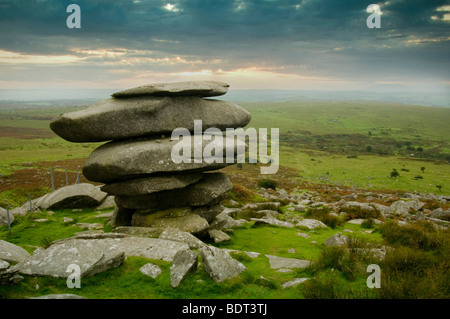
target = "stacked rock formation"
x: 136, y: 166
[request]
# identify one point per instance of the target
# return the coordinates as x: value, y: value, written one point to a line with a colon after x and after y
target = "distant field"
x: 354, y: 144
x: 359, y: 143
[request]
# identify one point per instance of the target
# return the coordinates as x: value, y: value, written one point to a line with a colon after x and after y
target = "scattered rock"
x: 311, y: 223
x: 176, y: 234
x: 289, y: 263
x: 67, y: 219
x: 55, y: 260
x: 12, y: 253
x: 89, y: 226
x: 184, y: 261
x: 150, y: 270
x: 218, y: 236
x: 336, y: 240
x: 73, y: 196
x: 272, y: 221
x: 294, y: 283
x: 304, y: 235
x: 219, y: 264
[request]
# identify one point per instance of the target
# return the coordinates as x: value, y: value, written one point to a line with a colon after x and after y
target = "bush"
x: 420, y: 235
x: 267, y: 183
x: 354, y: 212
x: 337, y: 258
x: 368, y: 223
x: 411, y: 273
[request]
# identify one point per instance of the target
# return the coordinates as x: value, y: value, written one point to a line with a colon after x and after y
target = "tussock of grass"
x: 354, y: 212
x: 420, y: 235
x: 412, y: 273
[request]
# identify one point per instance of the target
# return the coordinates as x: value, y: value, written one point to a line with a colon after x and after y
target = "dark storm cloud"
x: 323, y: 37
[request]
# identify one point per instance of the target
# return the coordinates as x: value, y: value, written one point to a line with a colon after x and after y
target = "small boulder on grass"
x: 184, y: 262
x: 336, y: 240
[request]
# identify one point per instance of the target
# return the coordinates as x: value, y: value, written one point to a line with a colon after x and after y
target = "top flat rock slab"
x: 118, y: 119
x: 197, y: 88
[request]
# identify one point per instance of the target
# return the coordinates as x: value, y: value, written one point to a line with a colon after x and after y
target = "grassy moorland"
x: 355, y: 144
x: 360, y: 143
x: 321, y: 144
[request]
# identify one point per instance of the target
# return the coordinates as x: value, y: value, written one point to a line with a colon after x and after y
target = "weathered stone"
x: 67, y: 219
x: 219, y: 264
x: 269, y: 220
x: 55, y: 260
x: 311, y: 223
x: 304, y: 235
x: 209, y: 212
x: 336, y: 240
x: 262, y: 206
x: 147, y: 185
x: 152, y: 248
x: 225, y: 221
x: 121, y: 216
x: 209, y: 189
x: 403, y: 208
x: 283, y: 262
x: 89, y: 225
x: 73, y: 196
x: 4, y: 217
x: 196, y: 88
x: 176, y: 234
x: 218, y: 236
x: 439, y: 213
x: 293, y: 283
x: 153, y: 232
x: 110, y: 119
x: 181, y: 218
x: 183, y: 262
x: 107, y: 203
x: 3, y: 264
x: 150, y: 270
x: 12, y: 253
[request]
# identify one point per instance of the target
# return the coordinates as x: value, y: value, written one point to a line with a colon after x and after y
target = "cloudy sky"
x: 265, y: 44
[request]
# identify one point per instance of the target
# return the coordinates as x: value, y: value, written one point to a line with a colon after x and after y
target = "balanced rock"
x: 205, y: 192
x: 181, y: 218
x: 146, y: 116
x: 116, y: 161
x: 196, y: 88
x: 146, y: 185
